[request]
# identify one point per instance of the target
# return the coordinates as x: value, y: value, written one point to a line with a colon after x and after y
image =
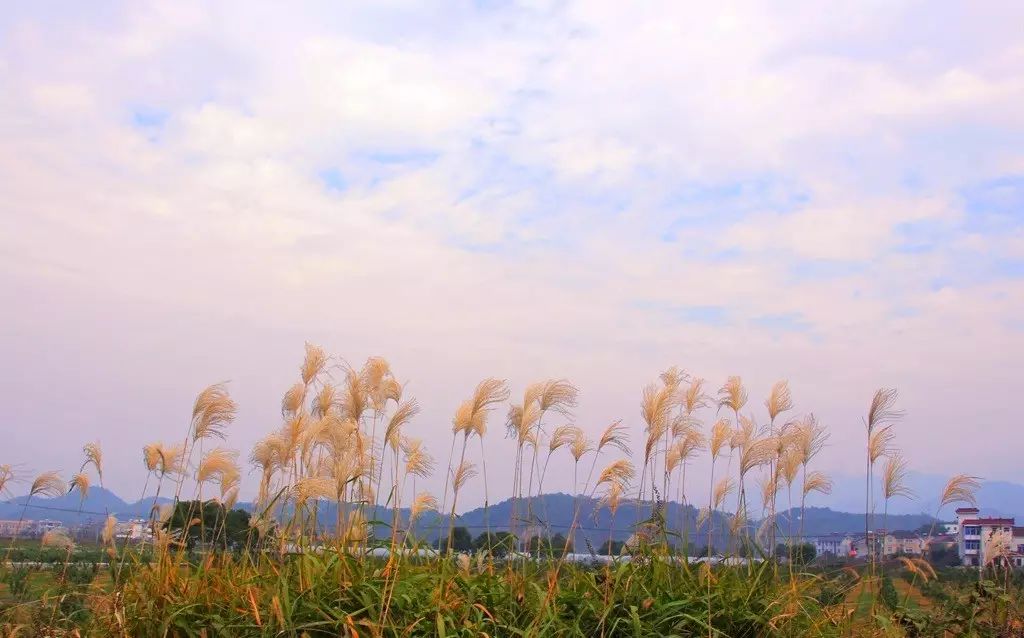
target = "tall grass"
x: 345, y: 440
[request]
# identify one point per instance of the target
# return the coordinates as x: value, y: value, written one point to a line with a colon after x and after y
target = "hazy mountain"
x: 995, y: 497
x: 71, y: 509
x: 552, y: 513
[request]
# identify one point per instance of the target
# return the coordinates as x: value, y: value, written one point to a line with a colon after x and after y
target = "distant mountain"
x: 995, y: 497
x: 822, y: 520
x: 70, y: 509
x: 552, y: 513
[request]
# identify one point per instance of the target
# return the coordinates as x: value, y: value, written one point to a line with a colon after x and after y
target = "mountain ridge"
x: 551, y: 514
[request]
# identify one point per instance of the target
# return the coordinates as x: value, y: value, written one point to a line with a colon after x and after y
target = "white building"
x: 133, y: 531
x: 980, y: 537
x: 836, y: 544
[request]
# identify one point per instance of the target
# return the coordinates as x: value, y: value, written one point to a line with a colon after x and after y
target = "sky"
x: 829, y: 194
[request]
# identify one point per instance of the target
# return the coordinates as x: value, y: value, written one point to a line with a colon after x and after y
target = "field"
x: 210, y: 569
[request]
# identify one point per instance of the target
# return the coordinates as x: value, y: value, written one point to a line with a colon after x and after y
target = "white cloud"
x: 509, y: 185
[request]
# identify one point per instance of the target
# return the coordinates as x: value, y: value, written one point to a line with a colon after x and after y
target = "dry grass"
x: 348, y: 442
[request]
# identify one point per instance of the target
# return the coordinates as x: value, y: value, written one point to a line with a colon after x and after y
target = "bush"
x: 17, y: 581
x: 830, y: 594
x: 888, y: 594
x: 81, y: 573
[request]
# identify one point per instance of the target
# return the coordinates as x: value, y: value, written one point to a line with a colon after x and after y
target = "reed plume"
x: 894, y: 477
x: 779, y: 400
x: 399, y: 419
x: 57, y: 538
x: 557, y: 395
x: 94, y: 456
x: 723, y: 488
x: 172, y: 459
x: 6, y: 478
x: 354, y: 399
x: 48, y: 484
x: 212, y: 412
x: 424, y: 502
x: 615, y: 435
x: 107, y: 534
x: 674, y: 377
x: 80, y: 482
x: 216, y: 463
x: 151, y: 456
x: 732, y: 394
x: 612, y: 497
x: 721, y: 432
x: 579, y: 446
x: 464, y: 473
x: 314, y: 487
x: 961, y: 488
x: 325, y: 401
x: 817, y: 481
x: 294, y: 397
x: 417, y: 461
x: 883, y: 408
x: 620, y: 471
x: 313, y: 363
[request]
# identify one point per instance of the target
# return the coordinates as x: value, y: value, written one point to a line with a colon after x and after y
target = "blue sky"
x: 833, y: 195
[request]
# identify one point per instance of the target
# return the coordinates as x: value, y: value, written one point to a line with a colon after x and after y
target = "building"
x: 10, y: 529
x: 836, y: 544
x: 133, y: 531
x: 903, y: 543
x: 985, y: 539
x: 27, y: 528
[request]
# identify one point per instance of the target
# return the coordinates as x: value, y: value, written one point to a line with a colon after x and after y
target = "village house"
x: 985, y: 539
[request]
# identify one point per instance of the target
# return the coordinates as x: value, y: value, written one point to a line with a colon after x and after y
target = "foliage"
x: 208, y: 522
x: 888, y: 594
x: 461, y: 540
x: 498, y: 544
x: 342, y: 442
x: 943, y: 556
x: 17, y: 581
x: 799, y: 553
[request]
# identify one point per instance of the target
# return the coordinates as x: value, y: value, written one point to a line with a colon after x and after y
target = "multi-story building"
x: 983, y: 539
x: 835, y: 544
x: 899, y: 542
x: 11, y: 529
x: 27, y: 528
x: 853, y: 545
x: 133, y: 531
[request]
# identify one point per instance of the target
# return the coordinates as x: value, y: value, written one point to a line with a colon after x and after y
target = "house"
x: 887, y: 544
x: 985, y: 539
x: 10, y: 529
x: 133, y: 531
x: 900, y: 542
x: 835, y: 544
x: 30, y: 529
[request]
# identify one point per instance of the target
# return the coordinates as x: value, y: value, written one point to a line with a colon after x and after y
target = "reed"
x: 347, y: 440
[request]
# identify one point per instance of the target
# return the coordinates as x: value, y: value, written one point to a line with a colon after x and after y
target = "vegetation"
x: 212, y: 569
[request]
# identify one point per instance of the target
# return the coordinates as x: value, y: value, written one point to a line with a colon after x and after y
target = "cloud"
x: 547, y: 189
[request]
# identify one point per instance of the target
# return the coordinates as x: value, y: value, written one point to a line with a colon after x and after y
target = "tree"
x: 210, y: 523
x: 549, y: 546
x: 943, y: 555
x: 462, y: 541
x: 799, y: 553
x: 499, y: 544
x: 611, y: 548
